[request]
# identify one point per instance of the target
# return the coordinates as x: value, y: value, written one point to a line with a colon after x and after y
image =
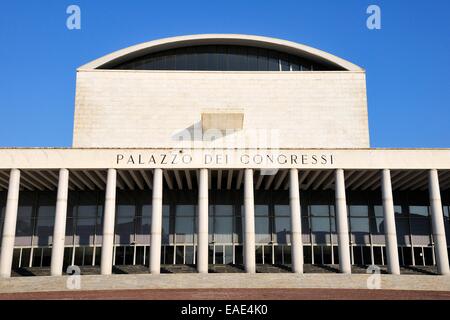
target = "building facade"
x: 214, y: 150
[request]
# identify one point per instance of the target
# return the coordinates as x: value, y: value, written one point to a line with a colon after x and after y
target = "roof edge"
x: 198, y: 39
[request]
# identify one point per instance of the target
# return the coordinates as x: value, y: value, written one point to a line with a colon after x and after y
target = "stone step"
x: 229, y: 268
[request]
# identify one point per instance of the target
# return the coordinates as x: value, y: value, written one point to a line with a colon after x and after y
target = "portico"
x: 235, y: 215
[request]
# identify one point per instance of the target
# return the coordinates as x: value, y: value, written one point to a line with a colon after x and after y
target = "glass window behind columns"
x: 25, y: 218
x: 359, y: 224
x: 165, y: 233
x: 185, y: 223
x: 262, y: 224
x: 86, y: 217
x: 222, y: 223
x: 306, y: 228
x: 125, y: 215
x: 143, y: 219
x: 402, y: 226
x: 45, y: 218
x: 377, y: 225
x: 71, y: 214
x: 225, y: 223
x: 320, y: 223
x: 420, y: 225
x: 319, y: 207
x: 282, y: 215
x: 99, y: 221
x: 2, y: 212
x: 447, y: 223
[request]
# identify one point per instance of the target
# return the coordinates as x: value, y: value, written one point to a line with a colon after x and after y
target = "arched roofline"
x: 290, y: 47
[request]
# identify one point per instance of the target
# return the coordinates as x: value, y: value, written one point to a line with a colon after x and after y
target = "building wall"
x: 150, y: 108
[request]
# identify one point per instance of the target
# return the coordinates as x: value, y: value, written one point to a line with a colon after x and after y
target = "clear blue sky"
x: 407, y: 61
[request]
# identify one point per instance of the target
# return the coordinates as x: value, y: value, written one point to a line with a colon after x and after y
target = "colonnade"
x: 9, y: 227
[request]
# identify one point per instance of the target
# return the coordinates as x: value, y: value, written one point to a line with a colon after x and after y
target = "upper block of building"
x: 221, y: 90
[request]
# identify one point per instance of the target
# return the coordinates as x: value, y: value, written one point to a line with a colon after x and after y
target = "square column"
x: 155, y: 243
x: 202, y: 245
x: 437, y: 222
x: 342, y: 223
x: 296, y: 225
x: 249, y: 223
x: 390, y: 231
x: 59, y: 230
x: 108, y: 223
x: 9, y: 225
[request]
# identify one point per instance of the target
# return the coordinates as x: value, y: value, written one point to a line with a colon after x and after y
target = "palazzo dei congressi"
x: 220, y: 153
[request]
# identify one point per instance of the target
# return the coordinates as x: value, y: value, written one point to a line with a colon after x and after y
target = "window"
x: 282, y: 223
x: 359, y: 211
x: 222, y: 58
x: 420, y: 225
x: 284, y: 62
x: 25, y: 219
x: 86, y: 217
x: 125, y: 215
x: 378, y: 256
x: 45, y: 218
x: 221, y: 218
x: 402, y: 226
x: 2, y: 212
x: 228, y: 254
x: 189, y: 255
x: 321, y: 223
x: 447, y: 223
x: 418, y: 211
x: 165, y: 233
x: 377, y: 222
x: 307, y: 254
x: 446, y: 211
x: 168, y: 253
x: 359, y: 224
x: 142, y: 227
x: 262, y: 227
x: 140, y: 251
x: 184, y: 223
x: 327, y: 255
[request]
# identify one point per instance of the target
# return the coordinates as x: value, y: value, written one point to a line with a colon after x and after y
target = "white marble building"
x: 222, y: 149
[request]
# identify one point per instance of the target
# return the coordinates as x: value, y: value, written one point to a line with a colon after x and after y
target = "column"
x: 9, y: 225
x: 249, y: 223
x: 108, y: 223
x: 155, y: 243
x: 59, y: 230
x: 390, y: 231
x: 437, y: 222
x: 202, y: 245
x: 342, y: 223
x: 296, y: 225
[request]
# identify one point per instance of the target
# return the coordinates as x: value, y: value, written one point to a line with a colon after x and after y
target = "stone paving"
x: 224, y: 280
x: 233, y: 294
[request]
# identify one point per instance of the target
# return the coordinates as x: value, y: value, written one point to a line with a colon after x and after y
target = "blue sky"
x: 407, y: 61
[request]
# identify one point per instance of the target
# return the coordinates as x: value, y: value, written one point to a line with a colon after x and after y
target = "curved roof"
x: 229, y: 39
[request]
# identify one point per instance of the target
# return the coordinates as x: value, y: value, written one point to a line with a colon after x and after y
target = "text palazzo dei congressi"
x: 221, y: 157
